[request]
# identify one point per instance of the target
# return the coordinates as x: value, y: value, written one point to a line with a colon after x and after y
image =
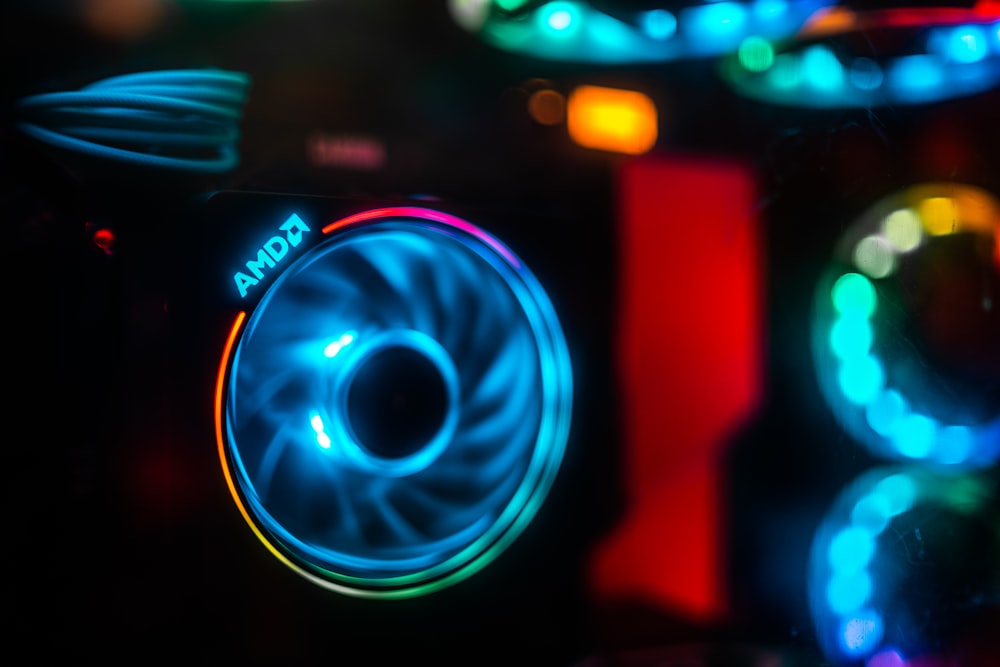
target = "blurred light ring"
x: 361, y: 577
x: 864, y: 80
x: 975, y: 212
x: 865, y: 508
x: 586, y: 33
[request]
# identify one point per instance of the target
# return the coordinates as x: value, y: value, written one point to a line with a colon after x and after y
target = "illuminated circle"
x: 876, y: 568
x: 469, y: 14
x: 559, y: 17
x: 393, y: 412
x: 547, y: 107
x: 865, y: 74
x: 756, y: 54
x: 659, y: 24
x: 906, y: 336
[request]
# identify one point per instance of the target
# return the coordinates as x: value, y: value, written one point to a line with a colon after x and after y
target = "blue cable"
x: 180, y: 120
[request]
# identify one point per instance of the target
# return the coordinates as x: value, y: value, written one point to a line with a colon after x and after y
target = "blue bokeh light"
x: 917, y: 78
x: 659, y: 24
x: 955, y: 444
x: 851, y: 336
x: 965, y: 44
x: 559, y: 18
x: 851, y: 549
x: 721, y: 22
x: 821, y: 69
x: 865, y: 74
x: 885, y: 412
x: 861, y: 378
x: 914, y: 435
x: 848, y: 592
x: 862, y: 632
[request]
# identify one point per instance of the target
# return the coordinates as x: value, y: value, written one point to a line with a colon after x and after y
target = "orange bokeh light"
x: 610, y: 119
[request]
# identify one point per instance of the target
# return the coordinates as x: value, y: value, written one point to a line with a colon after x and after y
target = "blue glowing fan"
x: 397, y: 405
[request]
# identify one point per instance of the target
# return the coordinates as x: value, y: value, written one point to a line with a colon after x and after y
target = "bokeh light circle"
x: 903, y: 561
x: 906, y: 339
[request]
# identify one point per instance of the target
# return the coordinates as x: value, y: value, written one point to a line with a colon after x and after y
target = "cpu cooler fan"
x: 392, y: 411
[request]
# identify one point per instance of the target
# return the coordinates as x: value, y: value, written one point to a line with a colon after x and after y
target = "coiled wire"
x: 180, y: 120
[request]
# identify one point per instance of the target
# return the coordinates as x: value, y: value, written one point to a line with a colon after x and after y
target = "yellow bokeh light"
x: 939, y: 215
x: 903, y: 230
x: 610, y: 119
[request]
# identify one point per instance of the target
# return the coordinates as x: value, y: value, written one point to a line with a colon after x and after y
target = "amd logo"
x: 272, y: 252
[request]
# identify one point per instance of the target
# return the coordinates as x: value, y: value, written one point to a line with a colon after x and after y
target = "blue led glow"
x: 659, y: 24
x: 851, y: 549
x: 848, y: 591
x: 769, y: 9
x: 862, y: 632
x: 851, y: 336
x: 955, y: 444
x: 857, y: 616
x: 559, y: 18
x: 914, y: 435
x: 885, y: 412
x: 573, y: 30
x: 961, y: 44
x: 334, y: 348
x: 861, y: 378
x: 720, y: 22
x: 341, y: 379
x: 958, y: 61
x: 865, y: 74
x: 321, y: 437
x: 872, y: 513
x: 916, y: 78
x: 348, y: 513
x: 821, y: 69
x: 899, y: 491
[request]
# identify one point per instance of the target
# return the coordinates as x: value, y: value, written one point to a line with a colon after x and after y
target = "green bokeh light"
x: 756, y: 54
x: 853, y: 294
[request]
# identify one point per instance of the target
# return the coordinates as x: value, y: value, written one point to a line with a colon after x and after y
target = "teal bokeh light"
x: 854, y: 295
x: 659, y: 24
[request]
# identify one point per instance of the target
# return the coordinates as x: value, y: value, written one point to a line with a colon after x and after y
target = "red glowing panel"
x: 689, y: 358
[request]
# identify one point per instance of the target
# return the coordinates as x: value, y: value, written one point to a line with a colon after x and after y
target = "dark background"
x: 120, y: 537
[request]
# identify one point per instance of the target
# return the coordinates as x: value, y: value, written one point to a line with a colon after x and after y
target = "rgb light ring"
x: 575, y: 31
x: 851, y: 349
x: 441, y: 235
x: 822, y: 74
x: 852, y: 610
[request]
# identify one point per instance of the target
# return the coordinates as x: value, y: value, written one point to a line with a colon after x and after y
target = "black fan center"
x: 397, y: 402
